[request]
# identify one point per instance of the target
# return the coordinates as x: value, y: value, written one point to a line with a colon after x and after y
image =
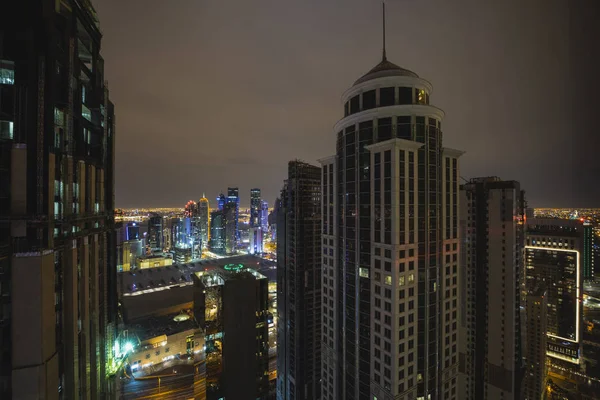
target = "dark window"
x: 354, y: 105
x: 386, y: 97
x: 405, y: 95
x: 369, y: 101
x: 403, y: 130
x: 384, y: 129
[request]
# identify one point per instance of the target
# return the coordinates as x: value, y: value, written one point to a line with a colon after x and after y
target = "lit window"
x: 401, y: 281
x: 421, y: 96
x: 363, y: 272
x: 7, y: 72
x: 86, y: 113
x: 388, y: 280
x: 411, y: 278
x: 6, y: 129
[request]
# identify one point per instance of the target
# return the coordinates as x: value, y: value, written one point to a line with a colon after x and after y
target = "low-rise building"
x: 165, y: 338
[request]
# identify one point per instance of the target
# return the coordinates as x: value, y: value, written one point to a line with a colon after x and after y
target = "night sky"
x: 211, y: 94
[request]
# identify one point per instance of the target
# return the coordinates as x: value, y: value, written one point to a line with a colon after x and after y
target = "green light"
x: 233, y: 267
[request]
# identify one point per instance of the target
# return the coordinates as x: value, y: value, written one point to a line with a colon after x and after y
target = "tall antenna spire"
x: 384, y: 58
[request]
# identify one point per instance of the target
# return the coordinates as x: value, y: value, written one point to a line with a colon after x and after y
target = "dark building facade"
x: 535, y: 349
x: 491, y: 270
x: 155, y: 233
x: 390, y: 229
x: 231, y: 305
x: 57, y: 238
x: 217, y: 232
x: 299, y: 284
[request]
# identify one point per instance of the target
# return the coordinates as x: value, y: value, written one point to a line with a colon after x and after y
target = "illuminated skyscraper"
x: 233, y: 197
x: 221, y: 200
x: 57, y: 238
x: 255, y: 208
x: 390, y: 230
x: 264, y: 215
x: 204, y: 221
x: 492, y: 235
x: 230, y: 227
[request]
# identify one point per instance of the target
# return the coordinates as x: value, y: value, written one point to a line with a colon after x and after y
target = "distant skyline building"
x: 155, y: 233
x: 554, y: 260
x: 233, y: 197
x: 255, y: 208
x: 255, y: 240
x: 299, y: 284
x: 204, y: 220
x: 221, y: 200
x: 390, y: 222
x: 492, y: 215
x: 264, y: 215
x: 133, y: 231
x: 58, y: 261
x: 230, y: 227
x: 217, y: 232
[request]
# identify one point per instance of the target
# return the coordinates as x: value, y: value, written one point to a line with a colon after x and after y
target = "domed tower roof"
x: 383, y: 69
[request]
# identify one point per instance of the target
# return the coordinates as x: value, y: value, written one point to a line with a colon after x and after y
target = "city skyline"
x: 513, y: 128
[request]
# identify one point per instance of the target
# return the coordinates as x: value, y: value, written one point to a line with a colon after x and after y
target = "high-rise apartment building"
x: 492, y: 235
x: 204, y: 221
x: 255, y: 209
x: 535, y: 348
x: 554, y: 259
x: 57, y: 237
x: 155, y: 233
x: 390, y: 229
x: 299, y: 285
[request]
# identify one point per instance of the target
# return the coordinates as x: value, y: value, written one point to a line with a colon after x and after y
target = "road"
x: 175, y: 387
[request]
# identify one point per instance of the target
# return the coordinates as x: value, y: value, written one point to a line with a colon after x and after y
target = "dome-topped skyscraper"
x: 390, y: 244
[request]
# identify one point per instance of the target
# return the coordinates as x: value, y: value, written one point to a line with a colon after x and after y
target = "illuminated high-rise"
x: 233, y: 198
x: 204, y: 221
x: 57, y: 237
x: 255, y: 208
x: 390, y: 230
x: 221, y: 200
x: 264, y: 215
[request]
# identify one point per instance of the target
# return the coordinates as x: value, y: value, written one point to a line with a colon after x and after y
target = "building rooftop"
x: 159, y: 302
x: 383, y: 69
x: 153, y: 326
x: 142, y: 281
